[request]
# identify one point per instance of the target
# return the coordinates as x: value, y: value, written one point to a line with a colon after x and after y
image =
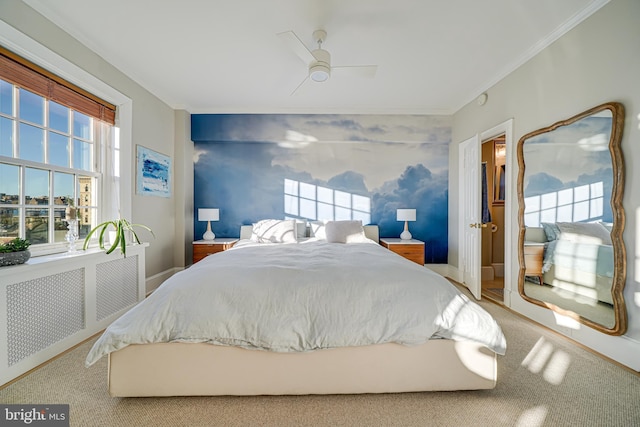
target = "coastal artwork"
x: 325, y: 167
x: 153, y: 176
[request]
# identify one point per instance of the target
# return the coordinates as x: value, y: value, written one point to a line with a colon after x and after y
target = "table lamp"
x: 206, y: 214
x: 406, y: 215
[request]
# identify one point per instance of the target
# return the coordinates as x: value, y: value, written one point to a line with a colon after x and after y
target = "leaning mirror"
x: 570, y: 185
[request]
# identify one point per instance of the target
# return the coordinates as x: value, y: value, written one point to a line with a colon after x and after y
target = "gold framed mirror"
x: 570, y: 247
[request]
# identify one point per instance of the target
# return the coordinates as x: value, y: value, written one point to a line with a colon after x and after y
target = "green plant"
x: 120, y: 226
x: 15, y: 245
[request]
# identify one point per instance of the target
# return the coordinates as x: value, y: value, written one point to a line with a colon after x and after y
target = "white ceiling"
x: 222, y: 56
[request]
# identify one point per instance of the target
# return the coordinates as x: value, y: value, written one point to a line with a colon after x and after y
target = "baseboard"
x: 152, y: 282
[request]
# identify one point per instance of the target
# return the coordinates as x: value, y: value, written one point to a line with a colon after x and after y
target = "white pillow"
x: 345, y: 232
x: 318, y: 229
x: 586, y: 232
x: 274, y: 231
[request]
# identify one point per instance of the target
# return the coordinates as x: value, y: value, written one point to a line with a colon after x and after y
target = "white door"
x: 470, y: 225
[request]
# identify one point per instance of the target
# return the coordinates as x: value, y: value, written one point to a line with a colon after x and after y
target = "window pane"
x: 37, y: 225
x: 9, y: 224
x: 362, y: 203
x: 565, y: 213
x: 582, y: 193
x: 290, y: 205
x: 307, y: 208
x: 565, y: 197
x: 85, y: 218
x: 9, y: 184
x: 85, y: 191
x: 362, y: 216
x: 59, y: 226
x: 325, y: 212
x: 82, y: 155
x: 291, y: 187
x: 81, y: 126
x: 307, y: 191
x: 62, y: 188
x: 6, y: 98
x: 325, y: 195
x: 58, y: 149
x: 58, y: 117
x: 36, y: 186
x: 343, y: 214
x: 6, y: 137
x: 343, y: 199
x: 31, y: 107
x: 31, y: 143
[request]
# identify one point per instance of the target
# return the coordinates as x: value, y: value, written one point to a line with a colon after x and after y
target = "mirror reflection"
x: 570, y: 191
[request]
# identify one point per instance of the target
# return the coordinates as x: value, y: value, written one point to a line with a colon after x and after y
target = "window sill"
x: 48, y: 260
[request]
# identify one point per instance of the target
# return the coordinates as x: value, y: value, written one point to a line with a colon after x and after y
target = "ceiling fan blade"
x: 296, y: 45
x: 366, y: 71
x: 299, y: 86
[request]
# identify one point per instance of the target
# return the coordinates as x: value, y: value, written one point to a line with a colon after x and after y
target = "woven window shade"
x: 27, y: 75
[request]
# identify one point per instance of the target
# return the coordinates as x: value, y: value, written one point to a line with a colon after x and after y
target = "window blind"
x: 23, y: 73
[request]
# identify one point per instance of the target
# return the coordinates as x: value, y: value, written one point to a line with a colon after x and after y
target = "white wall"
x: 596, y: 62
x: 151, y: 124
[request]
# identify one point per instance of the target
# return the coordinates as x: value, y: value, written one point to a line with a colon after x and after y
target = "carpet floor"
x: 543, y: 380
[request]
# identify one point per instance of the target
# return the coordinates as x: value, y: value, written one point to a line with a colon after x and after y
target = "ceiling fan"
x: 319, y: 60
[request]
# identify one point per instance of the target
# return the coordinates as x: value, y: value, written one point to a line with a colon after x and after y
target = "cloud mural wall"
x: 257, y: 166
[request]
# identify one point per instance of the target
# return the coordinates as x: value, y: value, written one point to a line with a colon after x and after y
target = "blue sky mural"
x: 312, y: 167
x: 568, y: 173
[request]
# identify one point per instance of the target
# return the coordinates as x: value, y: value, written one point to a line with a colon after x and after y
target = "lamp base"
x: 208, y: 235
x: 405, y: 235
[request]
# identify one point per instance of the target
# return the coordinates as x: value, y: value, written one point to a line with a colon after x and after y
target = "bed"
x: 282, y: 314
x: 577, y: 258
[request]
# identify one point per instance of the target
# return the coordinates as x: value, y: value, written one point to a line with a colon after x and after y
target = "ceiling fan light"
x: 319, y: 73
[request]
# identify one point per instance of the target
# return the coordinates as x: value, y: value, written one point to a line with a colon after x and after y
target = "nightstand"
x: 533, y: 254
x: 202, y: 248
x: 410, y: 249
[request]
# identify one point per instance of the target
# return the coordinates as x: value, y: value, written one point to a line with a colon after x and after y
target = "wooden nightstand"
x: 202, y: 248
x: 533, y: 254
x: 410, y: 249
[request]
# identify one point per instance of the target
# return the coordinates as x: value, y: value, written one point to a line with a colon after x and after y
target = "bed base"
x: 187, y: 369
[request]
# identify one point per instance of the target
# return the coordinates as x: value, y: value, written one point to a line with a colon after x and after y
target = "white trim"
x: 506, y: 128
x: 152, y: 282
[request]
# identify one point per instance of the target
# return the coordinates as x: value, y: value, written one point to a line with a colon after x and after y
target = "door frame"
x: 506, y: 128
x: 510, y: 282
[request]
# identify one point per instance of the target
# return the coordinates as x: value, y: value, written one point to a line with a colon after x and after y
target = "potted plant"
x: 121, y: 227
x: 14, y: 252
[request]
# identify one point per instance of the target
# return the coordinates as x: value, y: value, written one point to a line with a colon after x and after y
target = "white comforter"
x: 302, y: 297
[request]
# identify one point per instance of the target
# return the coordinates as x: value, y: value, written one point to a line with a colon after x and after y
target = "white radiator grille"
x: 43, y: 311
x: 117, y: 286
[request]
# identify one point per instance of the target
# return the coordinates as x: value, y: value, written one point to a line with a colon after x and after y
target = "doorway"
x: 493, y: 156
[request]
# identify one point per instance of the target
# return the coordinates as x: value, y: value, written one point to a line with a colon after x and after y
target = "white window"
x: 50, y: 157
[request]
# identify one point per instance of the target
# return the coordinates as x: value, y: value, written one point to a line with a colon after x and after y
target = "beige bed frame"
x: 189, y: 369
x: 186, y: 369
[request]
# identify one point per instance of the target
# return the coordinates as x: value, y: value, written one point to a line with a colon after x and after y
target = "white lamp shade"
x: 205, y: 214
x: 406, y: 214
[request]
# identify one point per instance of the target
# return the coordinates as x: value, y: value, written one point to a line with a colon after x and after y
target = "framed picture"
x: 153, y: 176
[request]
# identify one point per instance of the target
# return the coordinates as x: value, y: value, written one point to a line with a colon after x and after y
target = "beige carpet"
x: 544, y: 380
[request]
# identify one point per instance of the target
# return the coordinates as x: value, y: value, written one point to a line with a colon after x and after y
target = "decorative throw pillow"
x: 551, y: 230
x: 345, y: 232
x: 274, y: 231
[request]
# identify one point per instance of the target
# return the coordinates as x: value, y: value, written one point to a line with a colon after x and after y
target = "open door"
x: 470, y: 223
